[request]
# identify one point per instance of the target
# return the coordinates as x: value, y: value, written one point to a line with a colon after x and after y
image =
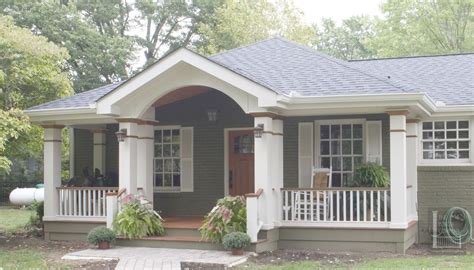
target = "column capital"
x: 413, y: 121
x: 398, y: 112
x: 55, y: 126
x: 267, y: 114
x: 137, y: 121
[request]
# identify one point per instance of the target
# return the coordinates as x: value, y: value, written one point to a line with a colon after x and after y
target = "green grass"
x: 26, y: 259
x: 13, y: 220
x: 421, y: 262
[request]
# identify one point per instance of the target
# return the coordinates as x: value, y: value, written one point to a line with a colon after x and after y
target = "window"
x: 167, y: 170
x: 445, y: 140
x: 341, y: 147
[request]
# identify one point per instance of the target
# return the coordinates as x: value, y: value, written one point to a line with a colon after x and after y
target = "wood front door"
x: 241, y: 162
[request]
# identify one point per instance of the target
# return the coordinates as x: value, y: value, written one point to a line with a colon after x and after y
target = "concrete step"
x: 182, y: 232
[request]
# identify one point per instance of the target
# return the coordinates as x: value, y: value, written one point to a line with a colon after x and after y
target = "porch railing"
x: 83, y: 201
x: 341, y: 205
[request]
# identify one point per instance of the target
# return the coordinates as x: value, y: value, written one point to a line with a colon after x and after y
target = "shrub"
x: 229, y: 215
x: 371, y: 175
x: 236, y: 240
x: 138, y: 219
x: 101, y: 234
x: 36, y: 219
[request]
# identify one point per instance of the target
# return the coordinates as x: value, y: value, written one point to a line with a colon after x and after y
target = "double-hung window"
x: 446, y: 141
x: 167, y: 173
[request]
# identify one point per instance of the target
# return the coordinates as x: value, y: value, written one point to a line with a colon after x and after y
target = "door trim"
x: 226, y: 156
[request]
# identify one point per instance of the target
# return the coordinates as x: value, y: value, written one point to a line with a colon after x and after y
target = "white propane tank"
x: 26, y: 196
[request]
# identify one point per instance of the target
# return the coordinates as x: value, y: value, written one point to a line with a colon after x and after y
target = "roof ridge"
x: 409, y: 57
x: 244, y: 46
x: 342, y: 63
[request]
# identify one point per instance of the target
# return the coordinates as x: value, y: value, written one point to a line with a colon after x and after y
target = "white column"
x: 128, y: 158
x: 145, y: 154
x: 269, y: 169
x: 412, y: 168
x: 52, y: 169
x: 398, y: 169
x: 99, y: 140
x: 277, y: 164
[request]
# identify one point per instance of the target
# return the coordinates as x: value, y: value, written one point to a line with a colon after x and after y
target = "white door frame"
x: 226, y: 156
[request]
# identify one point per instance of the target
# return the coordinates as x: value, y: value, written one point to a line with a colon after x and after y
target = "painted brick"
x: 439, y: 188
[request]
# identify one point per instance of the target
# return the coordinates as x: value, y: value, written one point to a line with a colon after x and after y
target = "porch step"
x: 178, y: 232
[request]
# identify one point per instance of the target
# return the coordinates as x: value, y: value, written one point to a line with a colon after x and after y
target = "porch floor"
x: 183, y: 222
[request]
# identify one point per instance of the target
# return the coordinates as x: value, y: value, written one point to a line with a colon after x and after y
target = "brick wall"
x: 441, y: 187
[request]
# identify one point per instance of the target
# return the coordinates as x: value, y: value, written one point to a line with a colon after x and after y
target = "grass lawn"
x: 25, y: 259
x: 13, y: 220
x: 421, y: 262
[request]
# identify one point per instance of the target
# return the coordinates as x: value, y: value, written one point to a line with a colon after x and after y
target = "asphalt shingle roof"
x: 445, y: 78
x: 285, y: 67
x: 81, y: 100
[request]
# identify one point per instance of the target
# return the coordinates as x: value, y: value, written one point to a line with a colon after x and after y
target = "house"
x: 257, y: 120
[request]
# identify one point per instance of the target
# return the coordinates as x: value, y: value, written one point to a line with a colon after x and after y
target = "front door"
x: 241, y: 162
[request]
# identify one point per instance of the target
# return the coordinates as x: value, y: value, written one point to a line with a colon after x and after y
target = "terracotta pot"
x: 104, y: 245
x: 237, y: 251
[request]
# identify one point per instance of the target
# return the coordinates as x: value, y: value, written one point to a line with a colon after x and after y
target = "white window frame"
x: 317, y: 137
x: 166, y: 189
x: 444, y: 162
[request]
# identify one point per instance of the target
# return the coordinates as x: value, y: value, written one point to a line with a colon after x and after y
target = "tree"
x: 32, y: 71
x: 170, y: 24
x: 94, y: 33
x: 411, y: 27
x: 348, y: 41
x: 241, y: 22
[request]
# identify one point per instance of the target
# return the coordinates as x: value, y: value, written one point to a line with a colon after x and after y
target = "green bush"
x: 36, y: 219
x: 236, y: 240
x: 137, y: 221
x: 100, y: 234
x: 229, y: 215
x: 371, y: 175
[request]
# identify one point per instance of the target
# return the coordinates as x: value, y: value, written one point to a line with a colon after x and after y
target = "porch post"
x: 398, y: 169
x: 269, y: 168
x: 145, y: 153
x: 52, y: 168
x: 128, y: 157
x: 412, y: 168
x: 99, y: 150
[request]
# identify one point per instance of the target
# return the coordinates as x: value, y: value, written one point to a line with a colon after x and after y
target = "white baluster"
x: 351, y: 197
x: 365, y: 205
x: 385, y: 205
x: 358, y: 205
x: 344, y: 205
x: 338, y: 205
x: 371, y: 205
x: 378, y: 205
x: 318, y: 205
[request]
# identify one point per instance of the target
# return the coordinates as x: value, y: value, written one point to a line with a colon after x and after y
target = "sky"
x: 338, y: 10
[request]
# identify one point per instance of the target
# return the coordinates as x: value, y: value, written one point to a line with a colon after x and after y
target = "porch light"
x: 258, y: 131
x: 211, y: 114
x: 121, y: 134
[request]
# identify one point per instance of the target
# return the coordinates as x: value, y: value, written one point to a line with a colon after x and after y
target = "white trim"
x: 446, y: 162
x: 74, y: 219
x: 72, y: 159
x: 226, y: 156
x: 340, y: 224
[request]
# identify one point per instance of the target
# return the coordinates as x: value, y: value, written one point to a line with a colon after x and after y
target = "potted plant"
x: 101, y: 236
x: 236, y: 242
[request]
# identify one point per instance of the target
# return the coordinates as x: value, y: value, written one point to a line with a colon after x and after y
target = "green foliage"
x: 347, y: 41
x: 371, y: 175
x: 239, y: 23
x: 137, y: 220
x: 236, y: 240
x: 14, y: 123
x: 229, y: 215
x: 101, y: 234
x: 38, y: 208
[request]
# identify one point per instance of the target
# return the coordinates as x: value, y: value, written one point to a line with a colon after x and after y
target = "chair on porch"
x: 306, y: 203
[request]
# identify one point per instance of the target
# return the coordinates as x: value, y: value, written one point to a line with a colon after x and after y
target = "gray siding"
x: 440, y: 188
x: 290, y: 142
x: 208, y: 150
x: 83, y: 151
x: 111, y: 155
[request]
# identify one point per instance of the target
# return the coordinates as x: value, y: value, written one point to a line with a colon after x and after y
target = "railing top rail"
x: 89, y: 188
x: 337, y: 189
x: 256, y: 194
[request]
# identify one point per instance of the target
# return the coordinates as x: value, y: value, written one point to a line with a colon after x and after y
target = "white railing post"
x: 111, y: 209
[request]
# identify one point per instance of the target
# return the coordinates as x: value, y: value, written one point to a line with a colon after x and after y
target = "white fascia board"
x: 265, y: 96
x: 67, y: 116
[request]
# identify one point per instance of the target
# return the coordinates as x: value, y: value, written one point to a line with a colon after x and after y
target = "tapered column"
x: 128, y: 157
x: 52, y: 168
x: 99, y: 150
x: 145, y: 154
x: 398, y: 169
x: 277, y: 168
x: 412, y: 168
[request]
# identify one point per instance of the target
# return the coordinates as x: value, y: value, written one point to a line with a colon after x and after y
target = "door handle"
x: 230, y: 178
